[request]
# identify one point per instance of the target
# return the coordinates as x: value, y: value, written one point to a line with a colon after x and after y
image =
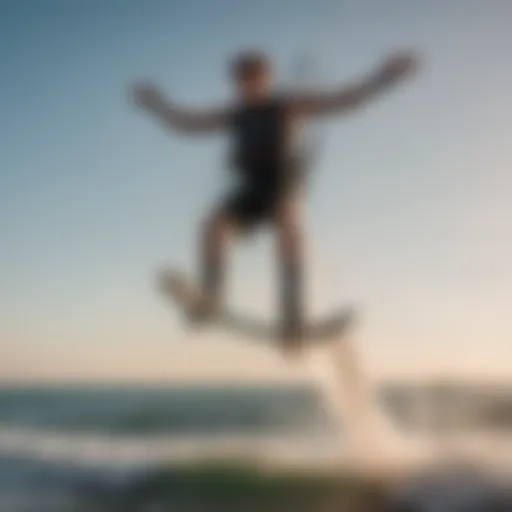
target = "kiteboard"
x: 184, y: 293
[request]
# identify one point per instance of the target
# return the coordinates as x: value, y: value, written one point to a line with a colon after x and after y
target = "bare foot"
x: 198, y: 308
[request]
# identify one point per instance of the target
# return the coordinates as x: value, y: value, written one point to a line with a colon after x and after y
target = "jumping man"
x: 268, y: 160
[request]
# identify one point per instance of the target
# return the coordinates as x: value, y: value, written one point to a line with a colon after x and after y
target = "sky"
x: 409, y: 213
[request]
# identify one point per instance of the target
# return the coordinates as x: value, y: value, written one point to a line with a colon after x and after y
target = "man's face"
x: 255, y: 85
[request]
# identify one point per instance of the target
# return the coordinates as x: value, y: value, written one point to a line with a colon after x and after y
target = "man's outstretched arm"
x: 152, y: 100
x: 351, y: 97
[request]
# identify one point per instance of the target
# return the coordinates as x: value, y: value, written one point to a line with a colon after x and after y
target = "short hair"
x: 248, y: 64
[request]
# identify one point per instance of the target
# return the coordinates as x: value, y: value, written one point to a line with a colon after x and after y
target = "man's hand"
x: 148, y: 96
x: 351, y: 97
x: 397, y: 67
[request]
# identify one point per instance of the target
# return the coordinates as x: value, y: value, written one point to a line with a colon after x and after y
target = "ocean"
x: 56, y: 440
x: 173, y: 411
x: 60, y: 444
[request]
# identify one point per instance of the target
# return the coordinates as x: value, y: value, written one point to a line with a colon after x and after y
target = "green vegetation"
x: 240, y: 486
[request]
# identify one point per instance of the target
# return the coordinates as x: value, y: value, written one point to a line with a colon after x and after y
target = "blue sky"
x: 410, y: 214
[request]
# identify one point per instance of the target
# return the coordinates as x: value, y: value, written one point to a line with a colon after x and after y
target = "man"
x: 264, y: 128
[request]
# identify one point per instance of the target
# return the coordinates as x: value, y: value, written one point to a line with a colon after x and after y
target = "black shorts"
x: 249, y: 206
x: 262, y: 190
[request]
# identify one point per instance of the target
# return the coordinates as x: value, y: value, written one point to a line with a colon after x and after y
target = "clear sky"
x: 410, y: 215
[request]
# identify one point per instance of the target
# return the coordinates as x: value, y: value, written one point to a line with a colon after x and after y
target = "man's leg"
x: 239, y: 212
x: 290, y: 246
x: 217, y: 230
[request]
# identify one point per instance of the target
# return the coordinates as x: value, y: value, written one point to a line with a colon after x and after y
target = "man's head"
x: 252, y: 73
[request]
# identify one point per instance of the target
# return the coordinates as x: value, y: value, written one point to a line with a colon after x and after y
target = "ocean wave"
x: 164, y: 411
x: 139, y: 451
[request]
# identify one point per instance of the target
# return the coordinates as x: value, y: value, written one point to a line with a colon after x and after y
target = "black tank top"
x: 264, y: 151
